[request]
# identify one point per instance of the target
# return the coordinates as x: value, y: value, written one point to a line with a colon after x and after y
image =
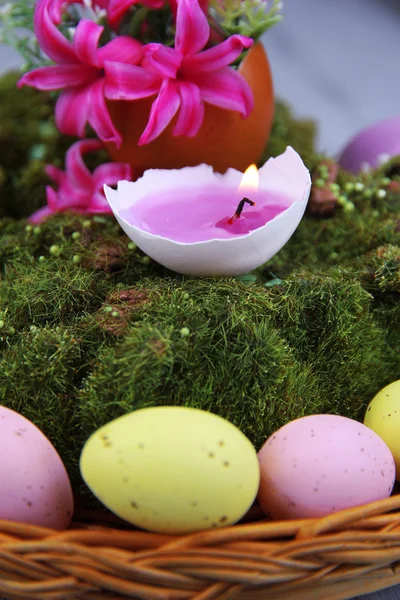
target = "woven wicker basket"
x: 351, y: 552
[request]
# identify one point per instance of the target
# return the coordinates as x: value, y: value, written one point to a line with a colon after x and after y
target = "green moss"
x: 90, y: 328
x: 41, y: 371
x: 300, y: 134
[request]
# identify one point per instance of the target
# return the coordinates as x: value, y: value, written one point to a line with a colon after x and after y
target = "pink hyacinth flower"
x: 174, y: 6
x: 116, y: 9
x: 185, y: 77
x: 79, y: 72
x: 79, y: 190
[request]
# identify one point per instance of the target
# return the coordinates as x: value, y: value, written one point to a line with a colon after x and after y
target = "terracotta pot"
x: 224, y: 140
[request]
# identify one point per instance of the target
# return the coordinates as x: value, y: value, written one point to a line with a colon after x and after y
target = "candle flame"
x: 250, y: 180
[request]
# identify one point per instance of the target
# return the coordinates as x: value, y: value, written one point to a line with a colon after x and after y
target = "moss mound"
x: 90, y: 328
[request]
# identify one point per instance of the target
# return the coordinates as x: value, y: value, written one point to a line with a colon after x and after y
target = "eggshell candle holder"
x: 372, y: 146
x: 284, y: 187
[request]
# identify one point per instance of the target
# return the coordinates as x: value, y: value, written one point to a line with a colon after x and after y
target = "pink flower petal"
x: 67, y: 197
x: 219, y: 56
x: 162, y: 60
x: 110, y: 174
x: 129, y: 82
x: 98, y: 204
x: 70, y: 197
x: 122, y: 49
x: 40, y: 215
x: 117, y: 9
x: 52, y: 198
x: 163, y: 110
x: 56, y: 174
x: 99, y: 117
x: 58, y: 77
x: 173, y: 4
x: 192, y: 28
x: 56, y: 8
x: 51, y: 41
x: 78, y: 174
x: 86, y: 41
x: 225, y: 88
x: 72, y: 111
x: 191, y: 113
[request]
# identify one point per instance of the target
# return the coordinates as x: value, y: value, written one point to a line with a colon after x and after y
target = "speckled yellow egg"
x: 383, y: 417
x: 172, y: 469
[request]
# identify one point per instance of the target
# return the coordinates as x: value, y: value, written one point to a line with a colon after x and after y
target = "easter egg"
x: 224, y: 140
x: 172, y: 469
x: 34, y: 485
x: 383, y: 416
x: 320, y: 464
x: 372, y: 146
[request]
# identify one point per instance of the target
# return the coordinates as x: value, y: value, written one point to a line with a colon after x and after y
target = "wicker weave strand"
x: 334, y: 558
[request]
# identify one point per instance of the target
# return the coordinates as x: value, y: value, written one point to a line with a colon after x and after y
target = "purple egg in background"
x: 372, y: 146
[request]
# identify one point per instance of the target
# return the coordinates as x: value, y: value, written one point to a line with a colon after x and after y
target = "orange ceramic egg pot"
x: 224, y: 140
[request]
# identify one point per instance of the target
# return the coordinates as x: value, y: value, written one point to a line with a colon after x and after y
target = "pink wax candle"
x: 188, y: 216
x: 204, y: 224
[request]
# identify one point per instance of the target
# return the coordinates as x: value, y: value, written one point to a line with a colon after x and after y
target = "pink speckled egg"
x: 34, y: 485
x: 318, y: 465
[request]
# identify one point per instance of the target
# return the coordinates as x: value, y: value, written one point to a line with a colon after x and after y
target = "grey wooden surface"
x: 337, y: 61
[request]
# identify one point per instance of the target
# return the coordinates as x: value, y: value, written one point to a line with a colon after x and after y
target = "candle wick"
x: 240, y: 209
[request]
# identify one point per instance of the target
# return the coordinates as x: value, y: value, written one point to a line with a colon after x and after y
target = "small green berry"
x: 132, y: 246
x: 108, y: 308
x: 28, y: 228
x: 185, y: 332
x: 1, y: 324
x: 146, y: 260
x: 334, y: 254
x: 41, y: 258
x: 385, y: 181
x: 319, y: 182
x: 87, y: 223
x: 381, y: 194
x: 342, y: 200
x: 37, y: 230
x: 76, y: 235
x: 11, y: 331
x: 115, y: 313
x: 376, y: 213
x: 334, y: 187
x: 367, y: 193
x: 76, y: 258
x: 349, y: 207
x: 323, y: 169
x: 349, y: 186
x: 99, y: 219
x: 186, y: 296
x: 359, y: 186
x: 55, y: 250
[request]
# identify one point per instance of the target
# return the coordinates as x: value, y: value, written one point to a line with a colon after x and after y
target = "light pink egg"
x: 34, y: 485
x: 321, y: 464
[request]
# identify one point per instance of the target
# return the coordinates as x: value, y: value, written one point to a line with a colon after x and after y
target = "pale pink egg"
x: 318, y: 465
x: 34, y: 485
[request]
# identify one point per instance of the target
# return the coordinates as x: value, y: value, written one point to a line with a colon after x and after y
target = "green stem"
x: 137, y: 21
